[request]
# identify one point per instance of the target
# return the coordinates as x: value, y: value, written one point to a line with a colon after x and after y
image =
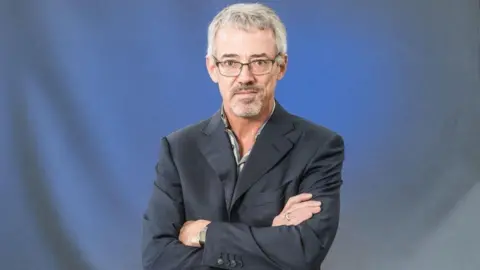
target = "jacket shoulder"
x: 186, y: 133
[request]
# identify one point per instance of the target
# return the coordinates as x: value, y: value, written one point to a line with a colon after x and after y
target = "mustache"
x: 241, y: 88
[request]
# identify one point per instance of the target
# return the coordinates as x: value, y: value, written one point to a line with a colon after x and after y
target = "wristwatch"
x: 202, y: 236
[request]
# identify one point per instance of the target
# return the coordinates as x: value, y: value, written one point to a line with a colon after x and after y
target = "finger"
x: 296, y: 199
x: 303, y: 215
x: 299, y: 220
x: 304, y: 204
x: 306, y: 210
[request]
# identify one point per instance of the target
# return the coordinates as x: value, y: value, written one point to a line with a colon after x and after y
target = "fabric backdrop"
x: 88, y: 88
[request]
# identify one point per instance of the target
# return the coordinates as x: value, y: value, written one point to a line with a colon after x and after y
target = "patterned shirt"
x: 234, y: 142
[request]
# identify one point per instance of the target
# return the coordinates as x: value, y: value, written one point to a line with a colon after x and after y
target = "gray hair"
x: 247, y: 16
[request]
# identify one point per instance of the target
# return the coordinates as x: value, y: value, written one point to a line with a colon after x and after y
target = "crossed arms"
x: 296, y: 246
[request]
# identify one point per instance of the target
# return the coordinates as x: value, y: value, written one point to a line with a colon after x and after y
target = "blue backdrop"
x: 88, y: 88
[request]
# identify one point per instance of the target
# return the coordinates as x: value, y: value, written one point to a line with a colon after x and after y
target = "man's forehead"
x: 235, y: 42
x: 227, y: 33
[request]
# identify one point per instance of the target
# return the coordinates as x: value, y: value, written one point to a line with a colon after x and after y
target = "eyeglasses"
x: 232, y: 68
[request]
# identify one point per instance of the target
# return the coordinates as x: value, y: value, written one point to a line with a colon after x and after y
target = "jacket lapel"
x: 273, y: 143
x: 216, y: 148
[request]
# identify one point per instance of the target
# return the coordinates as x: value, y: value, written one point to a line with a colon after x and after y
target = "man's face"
x: 246, y: 93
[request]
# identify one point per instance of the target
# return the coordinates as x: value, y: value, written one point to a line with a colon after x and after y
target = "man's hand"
x: 189, y: 233
x: 297, y: 210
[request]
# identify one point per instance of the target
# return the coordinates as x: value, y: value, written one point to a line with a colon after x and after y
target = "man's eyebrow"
x: 229, y: 55
x: 258, y: 55
x: 232, y: 55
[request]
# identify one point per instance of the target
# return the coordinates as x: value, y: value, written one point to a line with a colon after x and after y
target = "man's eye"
x: 229, y: 63
x: 260, y: 62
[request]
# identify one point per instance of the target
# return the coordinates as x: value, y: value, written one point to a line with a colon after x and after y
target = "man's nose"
x: 245, y: 74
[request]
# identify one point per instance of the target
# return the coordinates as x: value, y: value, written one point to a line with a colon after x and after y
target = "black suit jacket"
x: 291, y: 156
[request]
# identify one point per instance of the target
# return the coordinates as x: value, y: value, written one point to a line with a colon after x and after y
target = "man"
x: 244, y: 188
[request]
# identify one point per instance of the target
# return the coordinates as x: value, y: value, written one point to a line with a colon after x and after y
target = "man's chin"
x: 246, y: 111
x: 244, y: 99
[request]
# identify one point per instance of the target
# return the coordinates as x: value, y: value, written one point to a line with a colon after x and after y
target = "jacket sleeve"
x: 163, y: 219
x: 286, y: 247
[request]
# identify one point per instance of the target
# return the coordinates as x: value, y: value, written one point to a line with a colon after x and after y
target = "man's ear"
x: 283, y: 66
x: 211, y: 68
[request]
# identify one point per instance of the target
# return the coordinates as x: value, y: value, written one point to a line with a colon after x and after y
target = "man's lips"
x: 246, y: 92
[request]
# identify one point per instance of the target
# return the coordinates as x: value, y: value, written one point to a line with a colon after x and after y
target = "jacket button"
x: 220, y: 261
